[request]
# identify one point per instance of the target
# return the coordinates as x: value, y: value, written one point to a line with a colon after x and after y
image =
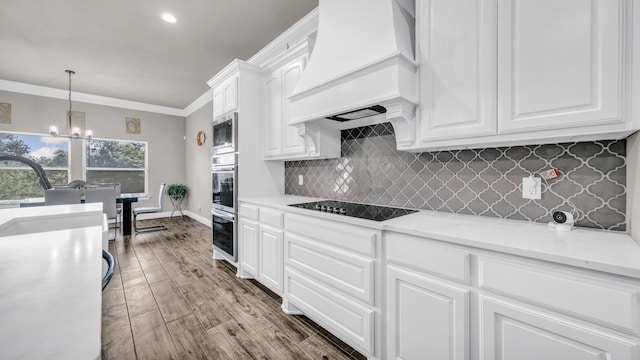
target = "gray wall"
x: 483, y: 182
x: 163, y: 133
x: 198, y: 162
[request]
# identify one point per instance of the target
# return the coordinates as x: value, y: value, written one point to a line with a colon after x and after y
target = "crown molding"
x: 44, y: 91
x: 203, y: 100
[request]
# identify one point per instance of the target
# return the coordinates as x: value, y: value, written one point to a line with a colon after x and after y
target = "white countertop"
x: 611, y: 252
x: 50, y: 282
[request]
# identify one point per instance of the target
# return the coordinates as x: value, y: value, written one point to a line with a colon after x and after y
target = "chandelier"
x: 74, y: 131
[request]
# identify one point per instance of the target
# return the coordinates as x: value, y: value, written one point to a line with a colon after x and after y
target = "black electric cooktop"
x: 362, y: 211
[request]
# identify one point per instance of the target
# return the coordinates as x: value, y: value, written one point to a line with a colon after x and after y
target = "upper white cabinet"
x: 560, y: 63
x: 225, y: 96
x: 457, y: 56
x: 563, y: 67
x: 282, y: 139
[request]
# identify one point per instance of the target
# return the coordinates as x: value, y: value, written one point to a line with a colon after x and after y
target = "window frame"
x: 146, y: 161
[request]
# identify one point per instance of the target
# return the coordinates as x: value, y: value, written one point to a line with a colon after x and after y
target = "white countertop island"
x: 50, y: 282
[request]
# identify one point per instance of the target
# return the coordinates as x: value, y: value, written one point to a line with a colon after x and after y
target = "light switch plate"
x: 300, y: 180
x: 531, y: 188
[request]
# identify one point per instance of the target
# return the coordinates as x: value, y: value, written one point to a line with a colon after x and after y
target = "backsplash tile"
x: 483, y: 182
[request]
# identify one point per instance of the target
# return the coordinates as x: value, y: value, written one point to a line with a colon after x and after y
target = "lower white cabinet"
x: 261, y: 243
x: 271, y: 258
x: 511, y: 331
x: 428, y: 318
x: 249, y: 247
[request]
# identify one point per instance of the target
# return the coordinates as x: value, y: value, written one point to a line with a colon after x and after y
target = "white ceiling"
x: 123, y: 49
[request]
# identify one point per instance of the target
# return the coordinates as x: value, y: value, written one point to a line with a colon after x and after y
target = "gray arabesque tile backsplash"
x: 483, y: 182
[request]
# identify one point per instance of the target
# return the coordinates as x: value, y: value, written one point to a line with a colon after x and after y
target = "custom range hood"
x: 362, y: 65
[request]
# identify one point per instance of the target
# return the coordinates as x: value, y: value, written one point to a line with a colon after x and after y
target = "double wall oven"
x: 224, y: 186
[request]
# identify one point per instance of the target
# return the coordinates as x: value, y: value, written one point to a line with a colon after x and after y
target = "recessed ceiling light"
x: 169, y: 18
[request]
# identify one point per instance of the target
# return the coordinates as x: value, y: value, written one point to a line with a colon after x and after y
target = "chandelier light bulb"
x: 53, y: 130
x: 88, y: 134
x: 75, y: 132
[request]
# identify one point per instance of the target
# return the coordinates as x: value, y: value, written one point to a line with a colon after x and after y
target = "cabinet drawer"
x: 603, y: 299
x: 343, y: 317
x: 248, y: 211
x: 428, y: 256
x: 272, y: 217
x: 354, y: 238
x: 343, y: 271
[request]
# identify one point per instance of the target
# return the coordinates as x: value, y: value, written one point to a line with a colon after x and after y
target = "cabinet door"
x: 428, y: 317
x: 517, y: 332
x: 291, y: 73
x: 218, y: 102
x: 560, y: 63
x: 457, y: 58
x: 249, y: 246
x: 274, y: 117
x: 230, y: 89
x: 271, y: 258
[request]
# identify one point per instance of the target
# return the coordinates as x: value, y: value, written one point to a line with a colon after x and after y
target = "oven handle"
x: 222, y: 168
x: 223, y: 215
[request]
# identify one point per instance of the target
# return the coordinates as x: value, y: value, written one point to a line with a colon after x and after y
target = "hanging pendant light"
x: 74, y: 131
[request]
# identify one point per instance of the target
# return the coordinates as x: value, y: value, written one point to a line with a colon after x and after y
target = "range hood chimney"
x: 362, y: 65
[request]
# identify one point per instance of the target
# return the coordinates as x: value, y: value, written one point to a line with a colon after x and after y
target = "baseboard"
x: 198, y: 218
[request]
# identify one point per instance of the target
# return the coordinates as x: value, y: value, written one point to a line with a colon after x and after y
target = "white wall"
x: 198, y: 162
x: 163, y: 133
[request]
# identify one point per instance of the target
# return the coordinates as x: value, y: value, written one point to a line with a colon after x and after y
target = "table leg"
x: 126, y: 218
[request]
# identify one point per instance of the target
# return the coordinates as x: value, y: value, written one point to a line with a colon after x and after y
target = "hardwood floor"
x: 170, y: 300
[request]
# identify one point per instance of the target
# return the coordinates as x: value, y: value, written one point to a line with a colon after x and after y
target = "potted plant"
x: 177, y: 191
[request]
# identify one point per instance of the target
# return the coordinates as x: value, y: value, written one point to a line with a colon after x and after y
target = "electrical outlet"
x: 531, y: 188
x: 300, y: 179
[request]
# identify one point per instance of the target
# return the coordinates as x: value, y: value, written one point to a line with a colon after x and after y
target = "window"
x: 117, y: 161
x: 18, y: 181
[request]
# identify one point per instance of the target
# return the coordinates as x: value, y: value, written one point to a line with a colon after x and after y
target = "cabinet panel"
x: 249, y: 212
x: 271, y: 258
x: 514, y: 332
x: 218, y: 102
x: 606, y: 300
x: 457, y: 58
x: 353, y: 238
x: 273, y: 109
x: 428, y: 319
x: 426, y: 255
x: 354, y: 275
x: 272, y: 217
x: 560, y: 63
x: 293, y: 142
x: 230, y: 90
x: 344, y: 317
x: 249, y: 246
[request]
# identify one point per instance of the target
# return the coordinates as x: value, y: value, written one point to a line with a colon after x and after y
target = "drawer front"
x: 428, y: 256
x: 349, y: 237
x: 343, y: 317
x: 351, y: 274
x: 604, y: 299
x: 249, y: 211
x: 272, y: 217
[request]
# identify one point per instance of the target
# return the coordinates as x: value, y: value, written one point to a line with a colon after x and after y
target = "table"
x: 126, y: 201
x: 177, y: 205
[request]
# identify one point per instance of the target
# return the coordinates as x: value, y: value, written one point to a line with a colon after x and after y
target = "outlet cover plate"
x: 531, y: 188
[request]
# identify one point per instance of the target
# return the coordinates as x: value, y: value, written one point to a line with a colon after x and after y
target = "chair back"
x: 61, y: 196
x: 161, y: 195
x: 105, y: 195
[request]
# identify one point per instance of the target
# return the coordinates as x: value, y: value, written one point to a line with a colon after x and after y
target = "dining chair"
x: 107, y: 196
x: 111, y: 268
x: 61, y: 196
x: 149, y: 210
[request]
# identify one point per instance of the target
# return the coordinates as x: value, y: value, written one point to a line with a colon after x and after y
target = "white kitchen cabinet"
x: 330, y: 275
x: 225, y: 96
x: 457, y: 56
x: 428, y: 318
x: 249, y: 247
x: 512, y: 331
x: 560, y: 63
x: 282, y: 139
x: 563, y: 69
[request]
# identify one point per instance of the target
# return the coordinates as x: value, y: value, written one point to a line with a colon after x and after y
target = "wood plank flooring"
x: 170, y: 300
